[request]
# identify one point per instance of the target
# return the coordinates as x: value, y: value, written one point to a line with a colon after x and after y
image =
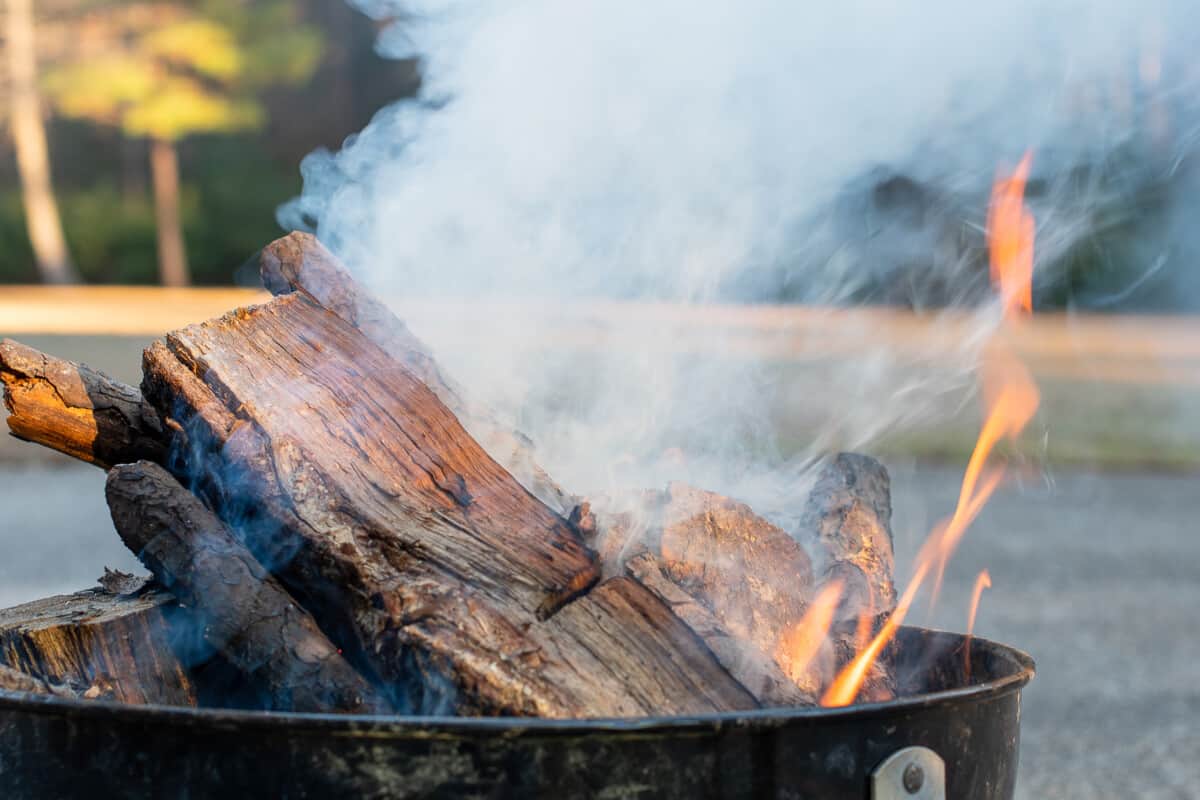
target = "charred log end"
x: 99, y: 646
x: 76, y: 410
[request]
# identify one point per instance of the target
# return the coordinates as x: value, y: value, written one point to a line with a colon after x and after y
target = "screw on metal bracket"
x: 914, y: 773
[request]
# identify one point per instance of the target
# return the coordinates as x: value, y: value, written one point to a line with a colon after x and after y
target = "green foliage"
x: 228, y: 214
x: 194, y: 68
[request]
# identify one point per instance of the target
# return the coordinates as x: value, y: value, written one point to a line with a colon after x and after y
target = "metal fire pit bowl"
x: 944, y: 737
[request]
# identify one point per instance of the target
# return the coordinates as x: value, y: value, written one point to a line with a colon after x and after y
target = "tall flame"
x: 1010, y: 232
x: 1010, y: 399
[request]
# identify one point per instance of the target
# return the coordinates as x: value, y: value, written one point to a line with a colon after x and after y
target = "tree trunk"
x: 172, y: 256
x: 33, y: 160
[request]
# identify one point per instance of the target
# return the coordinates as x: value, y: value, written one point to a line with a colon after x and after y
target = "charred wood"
x: 76, y: 410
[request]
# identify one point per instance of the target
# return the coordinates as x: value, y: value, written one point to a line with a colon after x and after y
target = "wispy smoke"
x: 726, y: 151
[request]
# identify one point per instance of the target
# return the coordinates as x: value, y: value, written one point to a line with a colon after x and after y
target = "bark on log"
x: 417, y: 551
x: 298, y: 262
x: 99, y: 645
x: 76, y: 410
x: 244, y: 613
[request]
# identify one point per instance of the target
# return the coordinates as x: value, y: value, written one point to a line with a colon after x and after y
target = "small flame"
x: 982, y: 581
x: 802, y: 642
x: 1010, y: 399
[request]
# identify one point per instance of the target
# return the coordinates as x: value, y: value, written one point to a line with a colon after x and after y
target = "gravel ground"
x: 1096, y: 576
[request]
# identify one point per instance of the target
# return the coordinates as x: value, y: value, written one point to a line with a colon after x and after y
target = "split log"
x: 244, y: 613
x: 749, y: 665
x: 298, y: 262
x: 99, y: 645
x: 418, y: 553
x: 740, y: 582
x: 76, y: 410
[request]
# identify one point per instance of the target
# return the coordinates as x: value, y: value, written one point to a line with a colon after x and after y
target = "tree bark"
x: 298, y: 262
x: 243, y: 612
x: 172, y: 254
x: 42, y: 219
x: 76, y: 410
x: 99, y: 646
x: 417, y: 552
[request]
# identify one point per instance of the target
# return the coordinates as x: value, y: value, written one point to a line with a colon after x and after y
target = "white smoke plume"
x: 703, y: 152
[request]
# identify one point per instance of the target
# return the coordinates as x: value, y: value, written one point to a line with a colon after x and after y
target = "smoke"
x: 700, y: 153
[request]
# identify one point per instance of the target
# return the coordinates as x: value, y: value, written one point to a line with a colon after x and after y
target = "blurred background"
x: 151, y: 142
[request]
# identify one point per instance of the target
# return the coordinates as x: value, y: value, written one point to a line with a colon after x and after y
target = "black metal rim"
x: 457, y: 727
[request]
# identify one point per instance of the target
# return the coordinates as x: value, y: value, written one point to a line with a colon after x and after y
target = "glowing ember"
x: 1010, y: 400
x: 982, y: 581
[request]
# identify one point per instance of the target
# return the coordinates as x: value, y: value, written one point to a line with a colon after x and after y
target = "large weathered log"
x: 76, y: 410
x: 244, y: 613
x: 298, y: 262
x: 418, y: 552
x: 99, y: 645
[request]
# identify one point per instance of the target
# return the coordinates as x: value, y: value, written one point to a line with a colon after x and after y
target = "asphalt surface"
x: 1097, y: 576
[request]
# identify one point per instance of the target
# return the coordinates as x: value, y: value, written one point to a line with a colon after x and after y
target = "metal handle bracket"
x: 914, y: 773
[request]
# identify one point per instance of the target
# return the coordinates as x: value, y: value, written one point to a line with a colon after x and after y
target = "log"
x: 298, y: 262
x: 99, y: 645
x: 418, y: 554
x: 847, y: 520
x: 243, y: 612
x: 76, y: 410
x: 740, y: 582
x: 748, y: 664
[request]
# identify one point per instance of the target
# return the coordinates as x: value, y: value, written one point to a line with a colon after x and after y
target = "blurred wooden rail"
x: 1112, y: 349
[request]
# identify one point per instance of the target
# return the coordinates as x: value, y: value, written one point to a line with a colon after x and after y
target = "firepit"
x: 943, y: 727
x: 365, y: 584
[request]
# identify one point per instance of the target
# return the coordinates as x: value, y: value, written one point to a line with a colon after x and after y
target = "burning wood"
x: 351, y: 546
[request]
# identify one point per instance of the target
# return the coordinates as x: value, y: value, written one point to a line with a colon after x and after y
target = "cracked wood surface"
x: 298, y: 262
x: 98, y: 645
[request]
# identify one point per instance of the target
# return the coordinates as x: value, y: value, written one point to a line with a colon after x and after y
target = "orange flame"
x: 802, y: 642
x: 1010, y: 234
x: 982, y: 581
x: 1010, y: 399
